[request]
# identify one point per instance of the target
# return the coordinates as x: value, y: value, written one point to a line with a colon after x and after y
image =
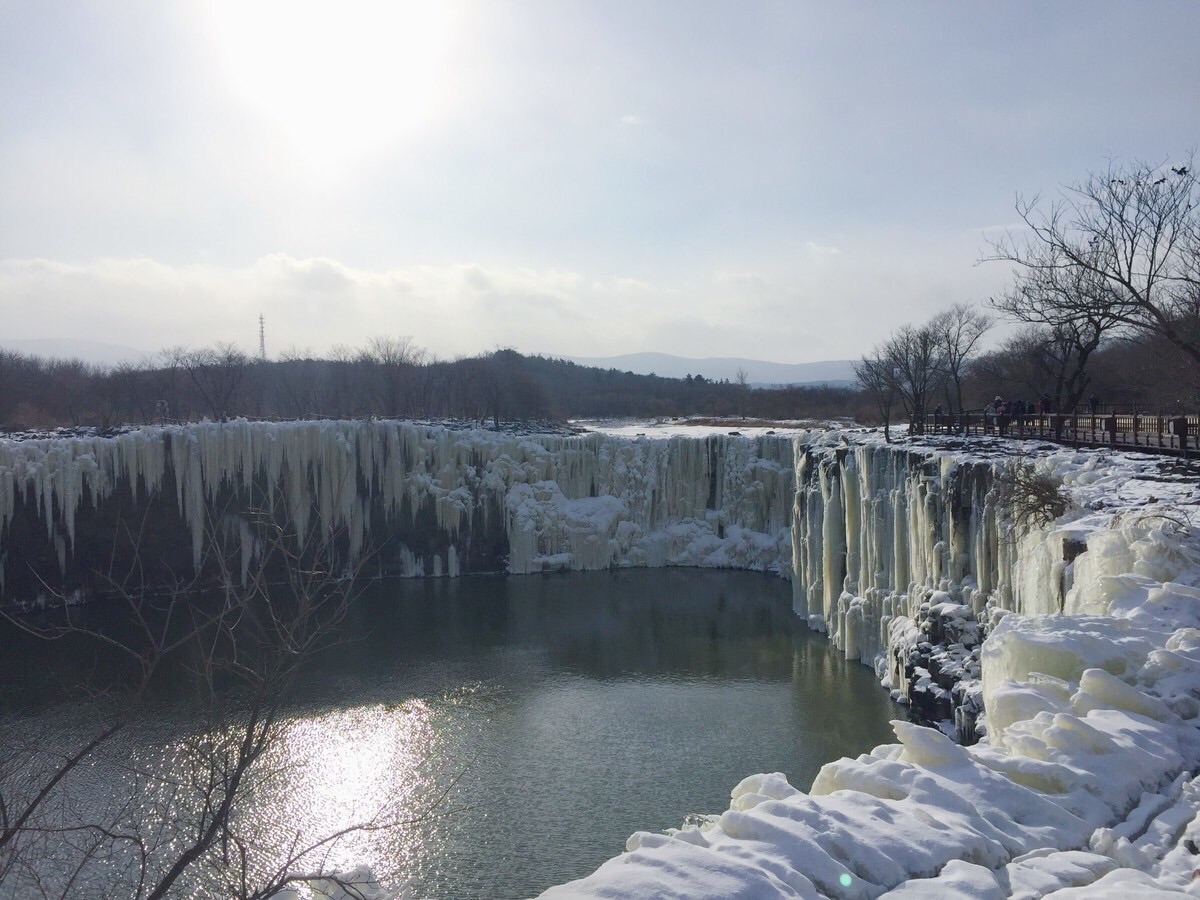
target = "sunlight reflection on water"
x: 521, y: 729
x: 378, y: 775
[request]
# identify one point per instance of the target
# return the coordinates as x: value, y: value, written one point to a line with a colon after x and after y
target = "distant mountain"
x: 88, y: 351
x: 759, y: 372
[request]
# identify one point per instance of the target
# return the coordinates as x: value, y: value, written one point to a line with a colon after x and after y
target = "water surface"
x: 530, y: 724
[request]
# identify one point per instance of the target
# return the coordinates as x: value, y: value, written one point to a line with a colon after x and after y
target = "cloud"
x: 753, y: 282
x: 1008, y: 227
x: 804, y: 310
x: 631, y: 120
x: 820, y: 251
x: 317, y: 275
x: 476, y: 278
x: 315, y: 302
x: 625, y: 285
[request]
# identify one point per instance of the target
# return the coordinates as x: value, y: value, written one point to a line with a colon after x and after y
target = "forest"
x: 389, y: 377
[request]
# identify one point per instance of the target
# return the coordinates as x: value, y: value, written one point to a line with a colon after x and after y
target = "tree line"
x: 388, y: 377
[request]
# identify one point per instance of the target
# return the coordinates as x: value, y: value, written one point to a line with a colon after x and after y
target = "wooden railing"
x: 1178, y: 435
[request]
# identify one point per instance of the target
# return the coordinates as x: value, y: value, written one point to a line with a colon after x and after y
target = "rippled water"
x: 528, y: 725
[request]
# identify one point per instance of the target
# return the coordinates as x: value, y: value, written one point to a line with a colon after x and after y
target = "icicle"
x: 578, y: 502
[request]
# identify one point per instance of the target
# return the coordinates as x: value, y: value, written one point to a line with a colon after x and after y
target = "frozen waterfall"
x: 399, y: 498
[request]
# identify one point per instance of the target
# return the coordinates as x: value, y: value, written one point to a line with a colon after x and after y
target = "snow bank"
x: 930, y: 818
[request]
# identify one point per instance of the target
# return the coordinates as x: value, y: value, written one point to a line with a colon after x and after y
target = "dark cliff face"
x: 119, y: 543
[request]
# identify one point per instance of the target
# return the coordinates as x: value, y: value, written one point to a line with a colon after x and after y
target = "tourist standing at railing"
x: 1002, y: 412
x: 1094, y: 404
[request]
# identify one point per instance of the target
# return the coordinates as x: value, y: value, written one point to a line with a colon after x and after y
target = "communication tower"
x: 262, y: 337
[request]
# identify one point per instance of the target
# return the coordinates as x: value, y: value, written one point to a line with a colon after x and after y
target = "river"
x: 526, y: 725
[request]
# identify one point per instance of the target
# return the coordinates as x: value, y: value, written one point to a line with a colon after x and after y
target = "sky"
x: 788, y: 181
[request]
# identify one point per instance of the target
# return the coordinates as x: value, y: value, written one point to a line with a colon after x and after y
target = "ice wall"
x: 415, y: 499
x: 906, y: 554
x: 902, y: 553
x: 877, y: 528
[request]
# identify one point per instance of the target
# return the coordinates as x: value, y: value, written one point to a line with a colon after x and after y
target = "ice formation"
x: 1086, y: 689
x: 427, y: 500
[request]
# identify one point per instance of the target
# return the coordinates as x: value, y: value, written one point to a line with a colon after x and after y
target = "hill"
x: 719, y: 368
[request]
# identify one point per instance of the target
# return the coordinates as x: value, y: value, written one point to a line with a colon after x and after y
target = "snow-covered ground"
x: 680, y: 426
x: 1085, y: 784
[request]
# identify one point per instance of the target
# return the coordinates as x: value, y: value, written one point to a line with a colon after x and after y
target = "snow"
x: 679, y: 426
x: 1086, y: 689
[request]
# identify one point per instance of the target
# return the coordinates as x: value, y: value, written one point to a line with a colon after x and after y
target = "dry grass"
x: 1035, y: 499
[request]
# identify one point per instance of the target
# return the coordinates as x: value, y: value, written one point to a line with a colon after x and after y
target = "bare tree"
x: 1034, y: 499
x: 1079, y: 310
x: 958, y: 330
x: 909, y: 367
x: 129, y: 389
x: 1147, y: 373
x: 1130, y: 237
x: 877, y: 377
x: 741, y: 379
x: 307, y: 385
x: 350, y: 394
x: 1040, y: 360
x: 465, y: 380
x: 216, y: 373
x: 171, y: 384
x: 395, y: 360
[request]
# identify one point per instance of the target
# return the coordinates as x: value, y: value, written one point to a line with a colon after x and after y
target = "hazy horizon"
x: 668, y: 365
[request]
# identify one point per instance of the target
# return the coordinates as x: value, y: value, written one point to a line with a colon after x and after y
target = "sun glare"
x: 336, y: 80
